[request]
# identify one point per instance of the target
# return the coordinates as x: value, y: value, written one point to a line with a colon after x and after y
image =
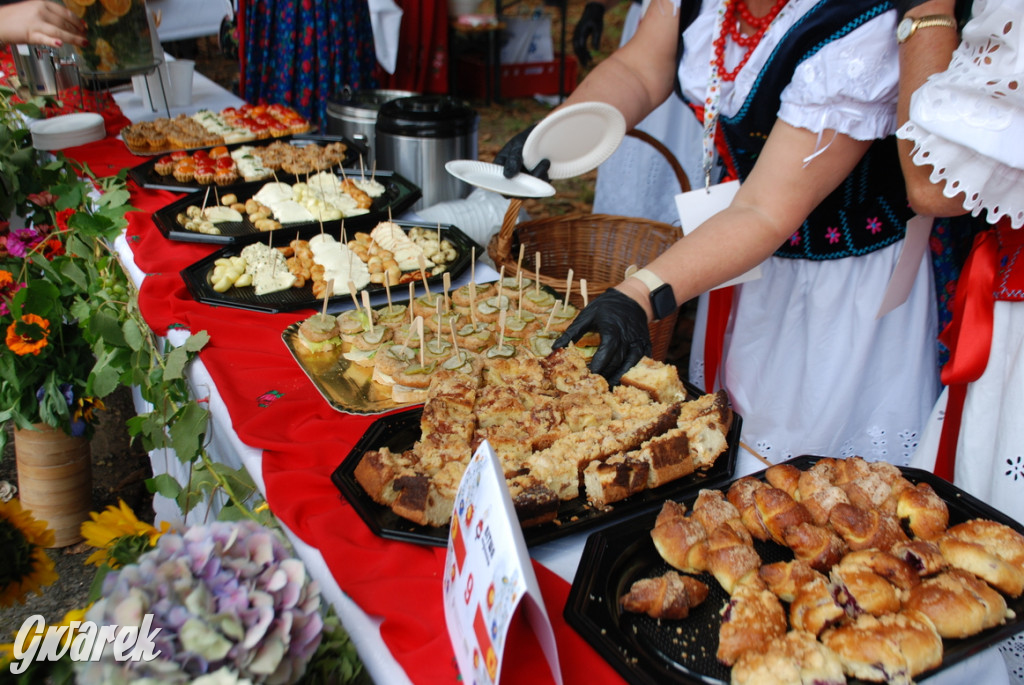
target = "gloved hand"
x: 625, y: 337
x: 589, y: 27
x: 510, y: 157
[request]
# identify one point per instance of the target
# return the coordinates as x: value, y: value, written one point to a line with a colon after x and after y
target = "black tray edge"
x: 627, y: 509
x: 608, y: 640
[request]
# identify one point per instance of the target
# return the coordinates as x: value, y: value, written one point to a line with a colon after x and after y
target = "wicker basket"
x: 595, y: 247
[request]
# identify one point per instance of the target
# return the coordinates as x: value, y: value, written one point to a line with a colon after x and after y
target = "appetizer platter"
x: 565, y: 471
x: 288, y: 159
x: 351, y: 364
x: 325, y: 201
x: 297, y: 272
x: 892, y: 602
x: 208, y: 129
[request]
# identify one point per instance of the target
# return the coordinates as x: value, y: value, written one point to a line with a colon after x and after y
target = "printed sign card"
x: 697, y: 206
x: 488, y: 573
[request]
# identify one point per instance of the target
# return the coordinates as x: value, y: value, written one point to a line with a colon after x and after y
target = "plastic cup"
x: 180, y: 72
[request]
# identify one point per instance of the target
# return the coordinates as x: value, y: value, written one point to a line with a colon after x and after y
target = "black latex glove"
x: 625, y: 337
x: 510, y: 157
x: 589, y: 27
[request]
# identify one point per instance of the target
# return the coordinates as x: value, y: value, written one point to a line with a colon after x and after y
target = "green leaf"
x: 188, y: 430
x: 164, y: 484
x: 197, y: 341
x: 174, y: 366
x: 107, y: 327
x: 133, y: 334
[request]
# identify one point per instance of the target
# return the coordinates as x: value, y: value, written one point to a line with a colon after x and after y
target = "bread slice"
x: 658, y: 379
x: 614, y: 479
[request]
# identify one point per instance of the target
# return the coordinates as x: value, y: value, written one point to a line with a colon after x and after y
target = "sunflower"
x: 119, y: 536
x: 28, y: 334
x: 24, y: 564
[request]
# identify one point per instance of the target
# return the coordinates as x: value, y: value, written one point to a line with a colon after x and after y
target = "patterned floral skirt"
x: 304, y: 52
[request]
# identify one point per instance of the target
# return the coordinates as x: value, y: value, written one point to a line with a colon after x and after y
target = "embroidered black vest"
x: 869, y: 210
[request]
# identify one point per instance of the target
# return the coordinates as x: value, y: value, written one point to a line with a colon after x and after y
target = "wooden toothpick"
x: 583, y: 291
x: 369, y: 311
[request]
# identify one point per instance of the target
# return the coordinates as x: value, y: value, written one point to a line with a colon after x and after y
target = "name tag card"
x: 697, y: 206
x: 488, y: 574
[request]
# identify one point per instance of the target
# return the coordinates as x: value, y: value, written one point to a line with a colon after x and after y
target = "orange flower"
x: 6, y: 278
x: 28, y: 334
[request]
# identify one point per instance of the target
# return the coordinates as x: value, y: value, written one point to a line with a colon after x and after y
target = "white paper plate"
x: 575, y: 139
x: 67, y: 130
x: 490, y: 177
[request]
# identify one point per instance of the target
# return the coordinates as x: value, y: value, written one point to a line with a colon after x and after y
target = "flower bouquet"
x: 56, y: 273
x: 230, y: 602
x: 118, y: 34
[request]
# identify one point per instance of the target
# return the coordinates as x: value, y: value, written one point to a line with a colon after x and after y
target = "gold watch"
x: 909, y: 25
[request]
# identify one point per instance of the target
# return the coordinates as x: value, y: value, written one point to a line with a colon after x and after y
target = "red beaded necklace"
x: 734, y: 11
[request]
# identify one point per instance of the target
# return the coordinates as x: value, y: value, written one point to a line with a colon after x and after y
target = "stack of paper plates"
x: 67, y: 130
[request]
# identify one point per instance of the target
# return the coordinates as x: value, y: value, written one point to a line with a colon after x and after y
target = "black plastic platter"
x: 399, y: 195
x: 399, y: 431
x: 646, y: 651
x: 145, y: 174
x: 197, y: 275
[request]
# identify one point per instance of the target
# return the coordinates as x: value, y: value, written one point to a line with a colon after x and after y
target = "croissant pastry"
x: 992, y: 551
x: 892, y: 648
x: 885, y: 564
x: 741, y: 496
x: 861, y: 591
x: 924, y: 556
x: 814, y: 608
x: 923, y: 512
x: 778, y: 511
x: 817, y: 545
x: 958, y: 603
x: 730, y: 558
x: 797, y: 657
x: 785, y: 477
x: 785, y: 578
x: 751, y: 619
x: 849, y: 470
x: 670, y: 595
x: 819, y: 496
x: 866, y: 528
x: 712, y: 509
x: 680, y: 540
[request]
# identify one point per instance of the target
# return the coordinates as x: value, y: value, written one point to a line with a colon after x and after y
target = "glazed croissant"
x: 817, y: 545
x: 866, y: 529
x: 670, y: 595
x: 958, y: 603
x: 923, y: 512
x: 680, y: 540
x: 752, y: 618
x: 730, y: 557
x: 778, y: 511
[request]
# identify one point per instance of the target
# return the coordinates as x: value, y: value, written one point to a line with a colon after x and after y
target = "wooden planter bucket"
x: 55, y: 479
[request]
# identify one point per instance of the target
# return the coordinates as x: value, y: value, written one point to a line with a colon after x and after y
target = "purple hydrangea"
x: 228, y: 599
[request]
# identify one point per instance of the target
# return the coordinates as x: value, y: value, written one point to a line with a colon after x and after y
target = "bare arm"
x: 775, y: 199
x: 927, y: 52
x: 637, y: 77
x: 40, y: 22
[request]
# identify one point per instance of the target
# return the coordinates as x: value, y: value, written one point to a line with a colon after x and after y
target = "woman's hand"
x: 40, y: 22
x: 625, y: 338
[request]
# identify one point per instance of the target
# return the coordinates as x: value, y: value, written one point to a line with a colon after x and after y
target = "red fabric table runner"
x: 274, y: 407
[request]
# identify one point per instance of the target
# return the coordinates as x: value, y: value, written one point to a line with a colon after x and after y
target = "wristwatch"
x: 908, y: 26
x: 663, y: 300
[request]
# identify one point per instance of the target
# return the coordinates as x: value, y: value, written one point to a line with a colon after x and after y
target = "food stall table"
x: 266, y: 417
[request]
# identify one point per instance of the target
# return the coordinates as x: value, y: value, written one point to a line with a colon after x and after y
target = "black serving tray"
x: 646, y: 651
x: 400, y: 194
x: 399, y: 431
x: 145, y: 175
x: 196, y: 275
